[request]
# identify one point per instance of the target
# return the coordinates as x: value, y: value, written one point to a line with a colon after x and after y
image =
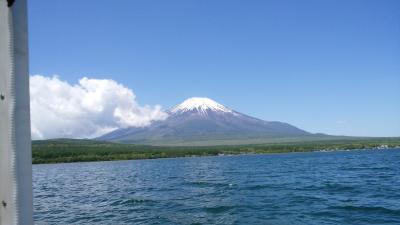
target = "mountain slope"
x: 204, y: 120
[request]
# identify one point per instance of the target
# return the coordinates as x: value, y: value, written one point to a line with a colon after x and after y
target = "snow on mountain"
x: 201, y: 105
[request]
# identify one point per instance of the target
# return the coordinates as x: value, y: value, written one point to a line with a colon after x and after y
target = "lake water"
x: 357, y: 187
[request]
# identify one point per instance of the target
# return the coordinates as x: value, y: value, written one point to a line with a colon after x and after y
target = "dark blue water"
x: 357, y: 187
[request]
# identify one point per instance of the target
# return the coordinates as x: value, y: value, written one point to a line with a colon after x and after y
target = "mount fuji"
x: 202, y: 121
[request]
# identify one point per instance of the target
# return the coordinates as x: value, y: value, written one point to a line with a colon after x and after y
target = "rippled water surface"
x: 357, y: 187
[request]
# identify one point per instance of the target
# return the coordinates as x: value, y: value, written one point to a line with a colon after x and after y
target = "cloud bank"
x: 90, y: 108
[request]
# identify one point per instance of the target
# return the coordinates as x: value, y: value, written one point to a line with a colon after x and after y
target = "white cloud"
x: 88, y: 109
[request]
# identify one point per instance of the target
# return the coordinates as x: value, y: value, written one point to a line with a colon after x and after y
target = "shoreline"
x: 111, y: 155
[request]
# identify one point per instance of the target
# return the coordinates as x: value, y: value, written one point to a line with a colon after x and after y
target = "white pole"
x: 15, y: 139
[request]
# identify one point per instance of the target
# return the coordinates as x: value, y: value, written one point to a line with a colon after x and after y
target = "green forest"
x: 77, y: 150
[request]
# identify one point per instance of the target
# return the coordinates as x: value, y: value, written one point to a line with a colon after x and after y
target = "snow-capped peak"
x: 200, y: 104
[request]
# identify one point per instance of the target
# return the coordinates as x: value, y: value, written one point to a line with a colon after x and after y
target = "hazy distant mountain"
x: 204, y: 121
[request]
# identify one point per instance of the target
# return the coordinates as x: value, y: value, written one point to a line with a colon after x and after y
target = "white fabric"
x: 15, y: 144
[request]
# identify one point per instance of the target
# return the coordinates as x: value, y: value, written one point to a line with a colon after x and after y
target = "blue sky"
x: 324, y: 66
